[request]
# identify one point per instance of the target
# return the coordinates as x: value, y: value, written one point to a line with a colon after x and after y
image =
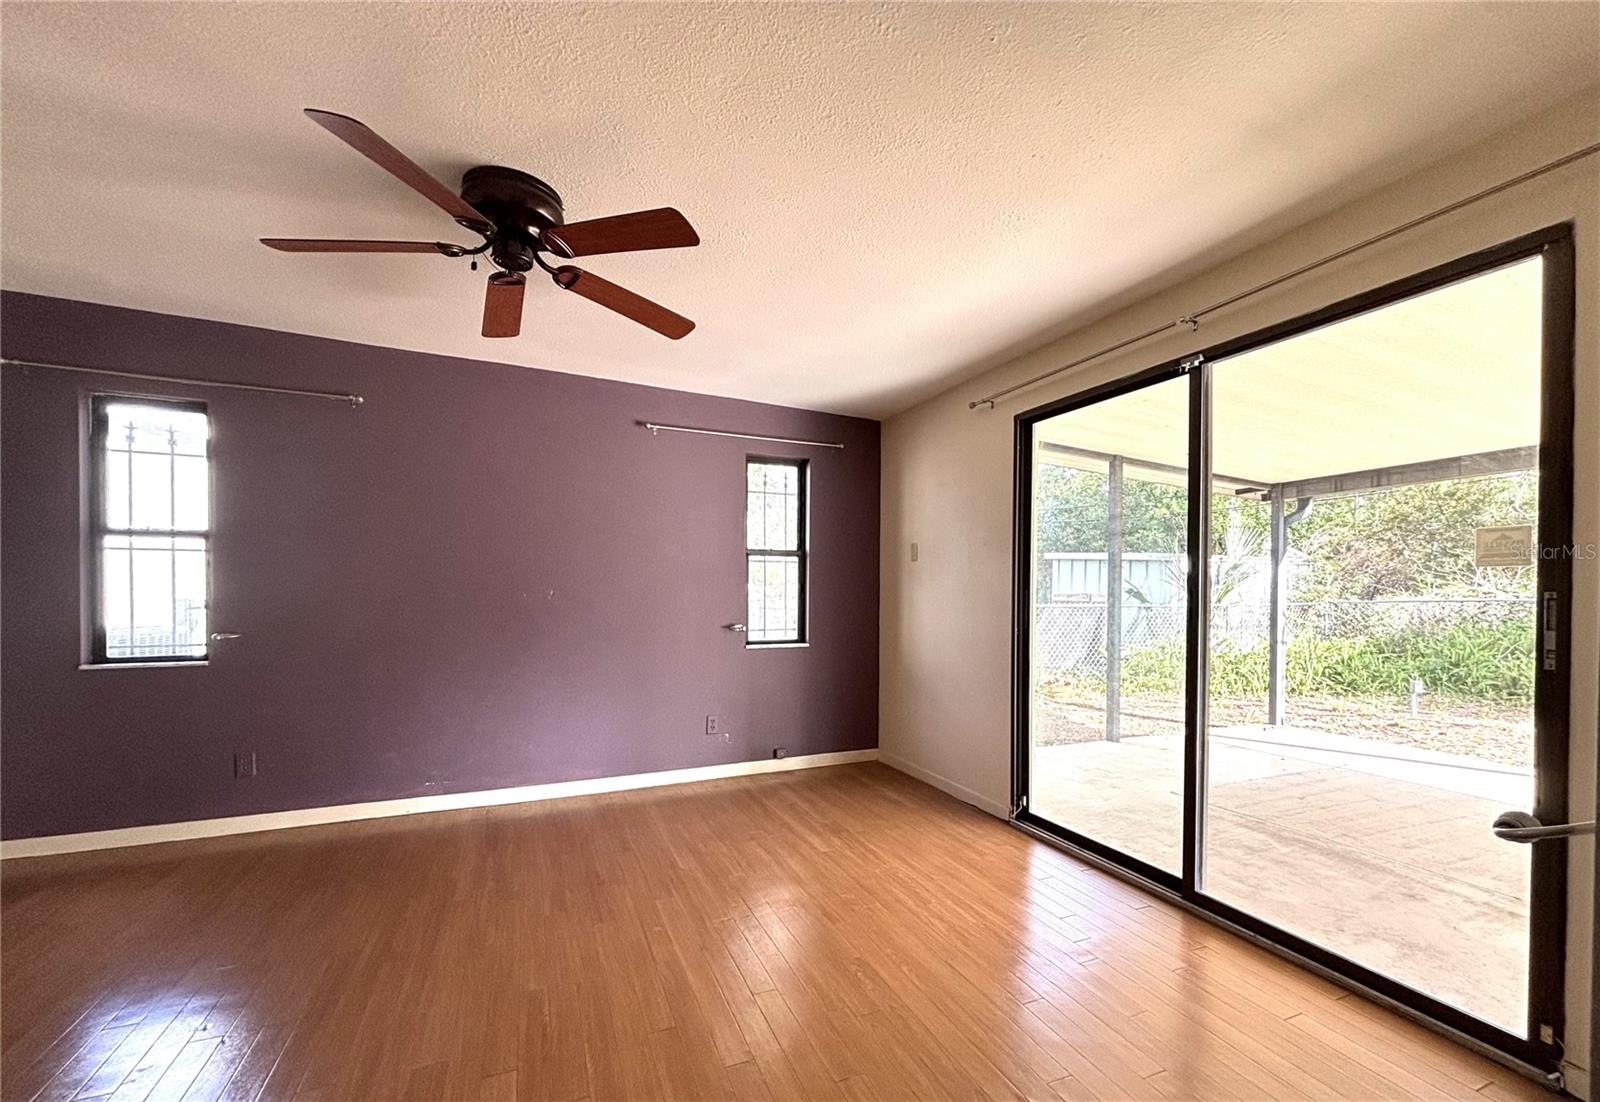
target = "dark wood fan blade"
x: 663, y: 228
x: 364, y: 141
x: 623, y: 301
x: 502, y: 305
x: 337, y: 245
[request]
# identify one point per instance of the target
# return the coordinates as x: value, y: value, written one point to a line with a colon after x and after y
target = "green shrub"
x: 1477, y: 661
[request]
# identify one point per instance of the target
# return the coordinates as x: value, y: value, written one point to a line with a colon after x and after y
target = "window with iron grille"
x: 775, y: 550
x: 151, y: 502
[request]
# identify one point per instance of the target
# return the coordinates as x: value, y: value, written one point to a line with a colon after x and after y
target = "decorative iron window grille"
x: 775, y: 549
x: 151, y: 529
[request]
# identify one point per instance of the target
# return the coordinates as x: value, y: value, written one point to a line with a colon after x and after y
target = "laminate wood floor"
x: 830, y: 933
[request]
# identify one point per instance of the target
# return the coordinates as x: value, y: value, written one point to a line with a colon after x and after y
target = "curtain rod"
x: 353, y: 399
x: 655, y: 429
x: 1191, y: 322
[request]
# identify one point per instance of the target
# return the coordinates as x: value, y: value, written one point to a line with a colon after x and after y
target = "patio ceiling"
x: 1449, y: 373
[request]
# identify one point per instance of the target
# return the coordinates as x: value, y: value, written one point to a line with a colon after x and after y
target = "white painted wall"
x: 945, y: 696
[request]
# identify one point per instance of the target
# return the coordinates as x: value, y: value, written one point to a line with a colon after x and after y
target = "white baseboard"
x: 945, y: 784
x: 416, y: 805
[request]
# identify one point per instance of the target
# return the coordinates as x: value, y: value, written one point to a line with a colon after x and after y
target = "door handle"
x: 1519, y: 826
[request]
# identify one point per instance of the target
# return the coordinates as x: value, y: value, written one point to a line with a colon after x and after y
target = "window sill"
x: 141, y: 665
x: 776, y: 646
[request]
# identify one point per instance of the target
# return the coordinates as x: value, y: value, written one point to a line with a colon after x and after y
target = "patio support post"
x: 1114, y: 598
x: 1278, y: 627
x: 1278, y: 608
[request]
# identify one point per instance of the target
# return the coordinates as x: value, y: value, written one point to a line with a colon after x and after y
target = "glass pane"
x: 116, y: 593
x: 189, y: 597
x: 156, y: 427
x: 155, y: 467
x: 754, y: 518
x: 772, y: 507
x: 152, y: 490
x: 1372, y: 637
x: 1109, y: 631
x: 190, y: 431
x: 154, y: 597
x: 152, y: 602
x: 777, y: 531
x: 774, y: 599
x: 191, y: 492
x: 116, y: 489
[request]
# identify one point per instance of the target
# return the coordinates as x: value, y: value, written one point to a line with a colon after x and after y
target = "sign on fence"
x: 1511, y: 545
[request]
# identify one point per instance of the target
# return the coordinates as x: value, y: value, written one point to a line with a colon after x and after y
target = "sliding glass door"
x: 1110, y: 551
x: 1373, y: 608
x: 1308, y: 728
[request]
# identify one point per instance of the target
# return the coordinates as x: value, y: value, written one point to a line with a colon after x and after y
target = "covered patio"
x: 1387, y: 860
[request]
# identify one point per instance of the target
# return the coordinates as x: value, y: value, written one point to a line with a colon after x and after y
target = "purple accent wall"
x: 486, y: 576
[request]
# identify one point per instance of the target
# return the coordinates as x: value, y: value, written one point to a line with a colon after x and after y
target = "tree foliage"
x: 1406, y: 541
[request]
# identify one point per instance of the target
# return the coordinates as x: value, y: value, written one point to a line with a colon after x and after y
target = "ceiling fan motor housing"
x: 520, y: 206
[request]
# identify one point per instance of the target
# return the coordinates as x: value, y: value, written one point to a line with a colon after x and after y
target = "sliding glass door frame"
x: 1022, y: 576
x: 1547, y: 934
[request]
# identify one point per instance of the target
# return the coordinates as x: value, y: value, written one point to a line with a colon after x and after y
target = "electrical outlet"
x: 244, y: 764
x: 780, y: 751
x: 712, y: 727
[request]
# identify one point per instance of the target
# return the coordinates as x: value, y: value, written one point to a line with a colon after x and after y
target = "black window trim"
x: 801, y: 553
x: 99, y: 431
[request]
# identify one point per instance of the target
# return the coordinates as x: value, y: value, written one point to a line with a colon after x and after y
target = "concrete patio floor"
x: 1380, y: 853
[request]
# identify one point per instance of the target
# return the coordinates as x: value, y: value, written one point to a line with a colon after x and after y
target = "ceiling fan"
x: 519, y: 217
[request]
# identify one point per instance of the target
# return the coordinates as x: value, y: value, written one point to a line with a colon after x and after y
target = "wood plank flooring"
x: 840, y: 933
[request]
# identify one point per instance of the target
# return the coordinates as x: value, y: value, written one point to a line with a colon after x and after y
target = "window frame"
x: 98, y: 529
x: 801, y: 553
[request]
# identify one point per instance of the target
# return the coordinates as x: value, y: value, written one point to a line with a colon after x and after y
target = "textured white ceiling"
x: 890, y: 196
